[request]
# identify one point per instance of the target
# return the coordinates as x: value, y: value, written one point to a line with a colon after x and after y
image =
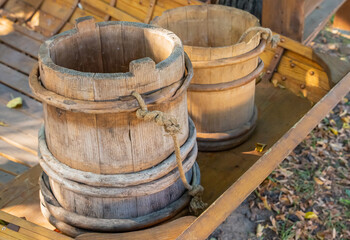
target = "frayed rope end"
x: 197, y: 205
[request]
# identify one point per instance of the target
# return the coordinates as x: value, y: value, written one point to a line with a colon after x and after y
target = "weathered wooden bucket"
x: 103, y: 162
x: 226, y: 64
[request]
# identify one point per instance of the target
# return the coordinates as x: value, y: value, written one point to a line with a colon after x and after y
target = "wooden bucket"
x: 221, y: 95
x: 103, y: 162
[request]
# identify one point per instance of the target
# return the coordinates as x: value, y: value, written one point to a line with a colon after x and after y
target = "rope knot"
x: 197, y: 205
x: 172, y: 127
x: 265, y: 34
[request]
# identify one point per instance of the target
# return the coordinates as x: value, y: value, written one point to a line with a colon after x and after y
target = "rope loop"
x: 265, y: 34
x: 171, y: 126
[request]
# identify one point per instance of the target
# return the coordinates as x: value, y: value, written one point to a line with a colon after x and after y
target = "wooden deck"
x: 227, y: 176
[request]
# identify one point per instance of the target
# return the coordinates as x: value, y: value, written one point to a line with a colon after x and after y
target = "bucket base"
x: 214, y: 142
x: 74, y: 224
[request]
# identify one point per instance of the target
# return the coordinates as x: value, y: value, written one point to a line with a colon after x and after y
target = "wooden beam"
x: 319, y: 18
x: 112, y: 11
x: 284, y: 17
x: 217, y: 212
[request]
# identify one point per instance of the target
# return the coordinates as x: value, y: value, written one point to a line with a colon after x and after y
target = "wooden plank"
x: 235, y: 194
x: 20, y: 121
x: 114, y: 12
x: 14, y: 234
x: 17, y: 155
x: 44, y: 23
x: 7, y: 237
x: 319, y: 18
x: 19, y: 10
x: 31, y: 227
x: 150, y: 11
x: 66, y: 17
x: 135, y: 8
x: 167, y: 231
x: 5, y: 177
x: 29, y: 107
x: 10, y: 167
x: 20, y: 197
x: 5, y: 23
x: 342, y: 17
x: 310, y: 5
x: 2, y: 2
x: 289, y: 15
x: 21, y: 43
x: 15, y: 79
x: 16, y: 60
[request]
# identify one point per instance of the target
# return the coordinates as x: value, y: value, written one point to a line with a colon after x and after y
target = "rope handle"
x: 172, y: 127
x: 265, y: 33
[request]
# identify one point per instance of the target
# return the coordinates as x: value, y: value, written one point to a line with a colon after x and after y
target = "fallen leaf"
x: 259, y: 147
x: 16, y: 102
x: 318, y: 181
x: 346, y: 125
x: 346, y: 119
x: 337, y: 147
x: 259, y: 230
x: 274, y: 82
x: 310, y: 215
x: 266, y: 204
x: 333, y: 130
x: 297, y: 234
x: 3, y: 124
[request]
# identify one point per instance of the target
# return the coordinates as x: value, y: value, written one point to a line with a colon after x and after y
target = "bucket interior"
x: 208, y: 25
x: 109, y: 48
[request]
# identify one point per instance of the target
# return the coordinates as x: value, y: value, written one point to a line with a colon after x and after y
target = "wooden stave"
x: 70, y: 225
x: 229, y: 140
x: 213, y: 141
x: 107, y: 166
x: 57, y: 72
x: 47, y: 160
x: 129, y: 191
x: 124, y: 104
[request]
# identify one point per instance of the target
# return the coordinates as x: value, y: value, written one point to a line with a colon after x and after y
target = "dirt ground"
x: 308, y: 195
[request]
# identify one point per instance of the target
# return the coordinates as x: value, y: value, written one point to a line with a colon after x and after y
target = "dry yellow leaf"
x: 346, y: 119
x: 334, y: 131
x: 3, y: 124
x: 259, y: 147
x: 318, y: 181
x: 16, y: 102
x: 310, y: 215
x: 259, y: 230
x: 266, y: 204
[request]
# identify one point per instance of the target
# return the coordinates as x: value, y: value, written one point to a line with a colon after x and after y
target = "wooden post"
x: 285, y: 17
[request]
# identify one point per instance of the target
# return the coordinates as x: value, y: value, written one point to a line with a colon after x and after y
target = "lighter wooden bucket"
x: 221, y: 95
x: 102, y: 162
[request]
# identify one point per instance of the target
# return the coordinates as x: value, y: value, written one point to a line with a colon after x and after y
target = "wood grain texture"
x: 311, y: 5
x: 248, y: 180
x: 290, y: 15
x: 135, y: 149
x: 342, y: 18
x: 167, y: 231
x: 201, y: 29
x: 319, y: 18
x: 18, y: 40
x: 30, y: 230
